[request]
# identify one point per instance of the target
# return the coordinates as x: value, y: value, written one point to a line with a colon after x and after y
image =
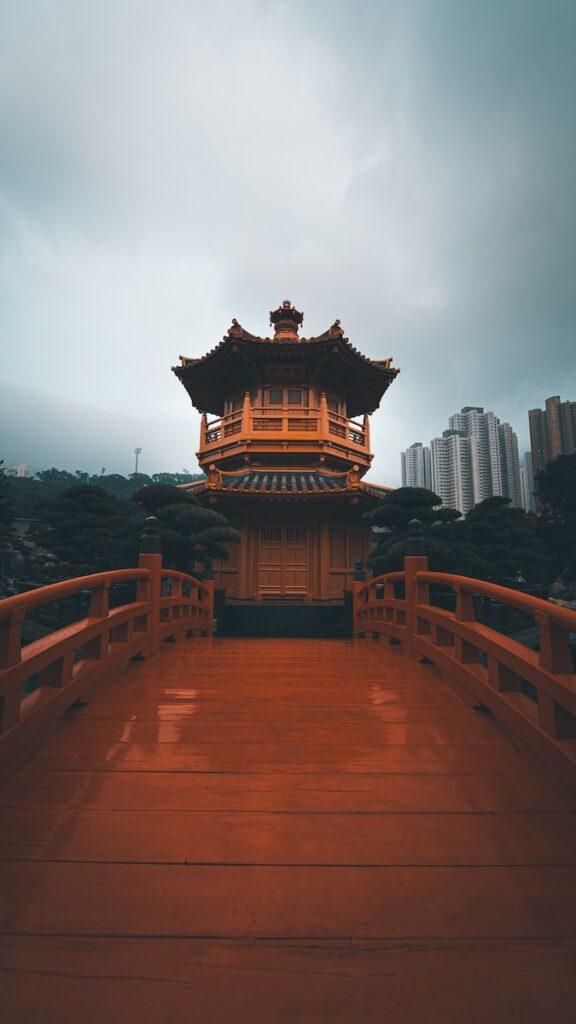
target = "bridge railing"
x: 532, y: 692
x: 40, y: 680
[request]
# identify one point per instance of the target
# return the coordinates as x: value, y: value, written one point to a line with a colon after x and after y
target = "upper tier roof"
x: 211, y: 379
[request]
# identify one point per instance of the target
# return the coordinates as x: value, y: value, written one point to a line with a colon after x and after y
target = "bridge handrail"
x: 482, y: 663
x: 563, y: 616
x: 66, y: 588
x: 71, y: 662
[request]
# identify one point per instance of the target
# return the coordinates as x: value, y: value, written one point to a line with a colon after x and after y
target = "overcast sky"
x: 165, y: 165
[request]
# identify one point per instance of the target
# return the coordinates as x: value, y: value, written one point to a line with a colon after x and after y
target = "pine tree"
x: 190, y: 534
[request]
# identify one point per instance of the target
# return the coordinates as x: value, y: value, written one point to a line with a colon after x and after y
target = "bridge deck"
x: 284, y: 830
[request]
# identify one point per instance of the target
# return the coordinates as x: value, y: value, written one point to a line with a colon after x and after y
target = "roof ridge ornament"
x: 286, y: 320
x: 236, y: 330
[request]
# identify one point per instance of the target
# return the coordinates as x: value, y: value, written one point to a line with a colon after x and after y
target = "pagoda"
x: 285, y: 444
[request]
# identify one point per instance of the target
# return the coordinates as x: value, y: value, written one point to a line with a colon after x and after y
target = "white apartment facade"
x: 452, y: 470
x: 476, y: 458
x: 527, y: 483
x: 416, y: 470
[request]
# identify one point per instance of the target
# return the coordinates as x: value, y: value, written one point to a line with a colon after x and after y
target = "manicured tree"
x: 6, y: 519
x: 394, y: 513
x: 87, y: 531
x: 506, y: 539
x: 190, y: 533
x: 556, y: 489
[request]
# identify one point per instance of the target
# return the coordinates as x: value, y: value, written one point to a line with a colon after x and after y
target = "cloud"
x: 406, y: 166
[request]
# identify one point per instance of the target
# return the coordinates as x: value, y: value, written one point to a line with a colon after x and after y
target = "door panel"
x: 270, y: 560
x: 283, y: 559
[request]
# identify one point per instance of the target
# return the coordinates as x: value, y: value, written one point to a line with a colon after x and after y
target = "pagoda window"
x: 333, y: 404
x: 296, y: 396
x: 288, y: 396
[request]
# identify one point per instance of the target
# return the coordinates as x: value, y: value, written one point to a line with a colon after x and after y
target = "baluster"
x: 10, y: 654
x: 465, y: 652
x: 412, y: 565
x: 465, y: 605
x: 502, y: 678
x: 10, y: 640
x: 555, y: 656
x: 97, y: 648
x: 176, y: 592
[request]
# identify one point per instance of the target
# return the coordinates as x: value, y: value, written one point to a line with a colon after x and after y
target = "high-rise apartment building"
x: 452, y: 470
x: 416, y: 470
x: 552, y: 431
x: 510, y: 464
x: 476, y: 458
x: 527, y: 484
x: 482, y: 428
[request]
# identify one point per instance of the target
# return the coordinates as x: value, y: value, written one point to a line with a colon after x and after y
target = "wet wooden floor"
x: 284, y: 831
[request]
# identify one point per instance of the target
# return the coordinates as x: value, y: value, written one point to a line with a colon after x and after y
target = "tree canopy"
x: 494, y: 541
x: 556, y: 488
x: 31, y: 496
x: 6, y: 511
x: 190, y: 534
x: 87, y: 530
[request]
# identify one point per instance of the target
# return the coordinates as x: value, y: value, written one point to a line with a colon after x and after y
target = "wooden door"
x: 283, y: 559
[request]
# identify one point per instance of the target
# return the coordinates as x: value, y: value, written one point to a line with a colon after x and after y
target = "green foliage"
x: 506, y: 538
x: 494, y: 541
x: 556, y: 488
x: 395, y: 512
x: 31, y: 496
x: 189, y: 532
x: 86, y: 530
x: 6, y: 511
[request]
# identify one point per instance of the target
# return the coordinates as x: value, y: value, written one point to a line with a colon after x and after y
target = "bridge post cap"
x: 415, y: 524
x: 150, y: 542
x: 359, y: 574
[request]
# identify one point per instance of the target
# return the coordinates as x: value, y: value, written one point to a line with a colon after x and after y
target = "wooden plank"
x: 159, y: 980
x: 372, y: 733
x: 327, y: 792
x: 285, y: 770
x: 273, y: 758
x: 176, y: 837
x: 299, y: 902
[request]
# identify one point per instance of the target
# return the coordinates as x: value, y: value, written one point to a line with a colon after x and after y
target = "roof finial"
x: 286, y: 321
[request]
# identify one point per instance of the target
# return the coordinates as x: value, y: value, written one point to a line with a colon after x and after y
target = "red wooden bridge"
x: 287, y: 830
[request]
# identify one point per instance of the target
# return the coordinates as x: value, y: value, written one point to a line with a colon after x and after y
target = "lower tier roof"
x: 301, y: 483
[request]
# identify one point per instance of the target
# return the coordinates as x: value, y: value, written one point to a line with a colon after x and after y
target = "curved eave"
x: 207, y: 380
x: 360, y: 490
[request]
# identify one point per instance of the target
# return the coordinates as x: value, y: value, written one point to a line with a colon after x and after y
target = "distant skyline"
x: 408, y: 167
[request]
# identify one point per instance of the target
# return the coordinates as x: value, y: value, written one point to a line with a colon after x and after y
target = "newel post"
x: 151, y: 559
x: 208, y: 581
x: 413, y: 564
x: 357, y: 583
x: 323, y: 415
x: 246, y: 413
x: 366, y: 430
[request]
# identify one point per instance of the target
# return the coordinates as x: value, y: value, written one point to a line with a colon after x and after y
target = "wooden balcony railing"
x: 39, y: 681
x: 485, y: 665
x: 296, y: 422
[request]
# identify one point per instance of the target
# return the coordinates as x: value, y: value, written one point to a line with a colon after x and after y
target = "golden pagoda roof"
x: 209, y: 378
